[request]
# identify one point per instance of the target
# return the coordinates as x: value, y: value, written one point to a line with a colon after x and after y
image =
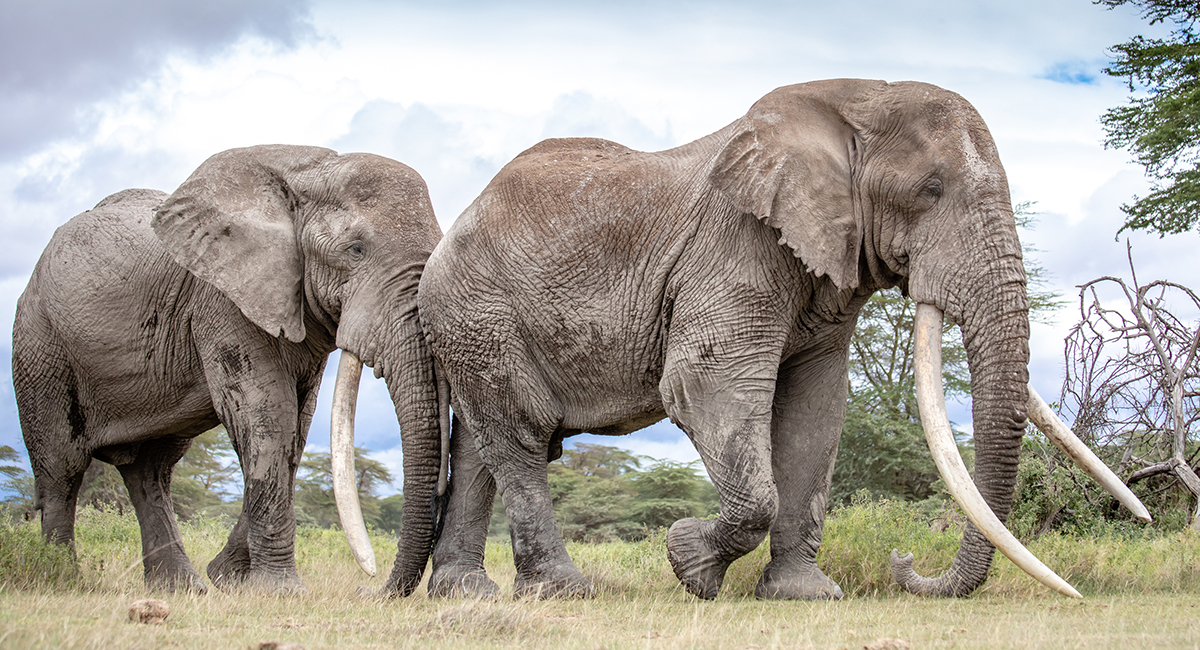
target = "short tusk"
x: 931, y: 400
x: 1061, y: 435
x: 341, y: 448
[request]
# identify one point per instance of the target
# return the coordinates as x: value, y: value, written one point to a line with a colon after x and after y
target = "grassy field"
x: 1139, y: 592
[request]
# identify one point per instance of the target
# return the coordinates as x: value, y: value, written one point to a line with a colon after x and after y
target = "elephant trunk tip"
x: 912, y: 582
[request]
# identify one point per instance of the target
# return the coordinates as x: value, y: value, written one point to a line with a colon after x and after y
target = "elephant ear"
x: 789, y: 164
x: 233, y: 224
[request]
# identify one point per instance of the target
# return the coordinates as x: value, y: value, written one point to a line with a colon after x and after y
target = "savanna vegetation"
x: 1140, y: 588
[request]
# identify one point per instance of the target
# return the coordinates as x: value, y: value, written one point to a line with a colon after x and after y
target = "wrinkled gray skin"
x: 152, y: 318
x: 592, y: 288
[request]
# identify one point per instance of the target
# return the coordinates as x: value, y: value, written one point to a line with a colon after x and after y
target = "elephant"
x: 594, y: 288
x: 152, y: 318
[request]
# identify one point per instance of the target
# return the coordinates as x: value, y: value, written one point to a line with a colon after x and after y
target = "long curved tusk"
x: 1061, y: 435
x: 341, y: 451
x: 931, y: 400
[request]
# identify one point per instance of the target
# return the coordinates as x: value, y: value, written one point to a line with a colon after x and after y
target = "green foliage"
x: 668, y: 492
x: 882, y: 449
x: 103, y: 487
x: 202, y: 480
x: 29, y: 563
x: 1161, y: 125
x: 315, y: 505
x: 391, y: 511
x: 1053, y: 495
x: 601, y: 494
x: 859, y: 537
x: 16, y: 485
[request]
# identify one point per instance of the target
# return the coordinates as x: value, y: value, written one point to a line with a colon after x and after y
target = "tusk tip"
x: 367, y: 565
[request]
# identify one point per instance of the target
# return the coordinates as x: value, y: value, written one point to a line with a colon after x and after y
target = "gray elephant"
x: 151, y: 318
x: 593, y: 288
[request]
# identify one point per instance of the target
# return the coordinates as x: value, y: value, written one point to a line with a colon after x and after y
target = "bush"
x: 27, y: 562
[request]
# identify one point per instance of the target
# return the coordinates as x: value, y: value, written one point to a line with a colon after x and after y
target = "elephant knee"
x: 755, y: 515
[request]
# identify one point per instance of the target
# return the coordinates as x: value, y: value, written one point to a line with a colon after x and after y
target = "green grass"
x: 1139, y: 593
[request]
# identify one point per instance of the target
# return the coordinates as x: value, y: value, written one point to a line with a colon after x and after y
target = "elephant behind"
x: 151, y: 318
x: 593, y: 288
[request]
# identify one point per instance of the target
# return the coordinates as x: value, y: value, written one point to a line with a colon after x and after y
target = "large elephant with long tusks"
x: 152, y: 318
x: 593, y: 288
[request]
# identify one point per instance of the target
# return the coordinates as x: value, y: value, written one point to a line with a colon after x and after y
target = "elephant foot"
x: 796, y: 581
x: 462, y: 582
x: 699, y: 569
x: 230, y: 569
x: 230, y: 573
x: 277, y: 584
x: 561, y: 582
x: 176, y: 580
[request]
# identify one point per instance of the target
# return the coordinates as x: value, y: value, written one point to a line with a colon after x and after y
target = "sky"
x: 100, y: 97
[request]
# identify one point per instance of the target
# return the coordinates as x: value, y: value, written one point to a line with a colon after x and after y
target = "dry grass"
x: 1151, y: 603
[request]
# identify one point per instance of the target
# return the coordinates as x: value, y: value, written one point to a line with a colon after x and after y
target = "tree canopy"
x: 1160, y: 125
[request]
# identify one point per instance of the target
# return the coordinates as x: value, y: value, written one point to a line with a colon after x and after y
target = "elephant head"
x: 318, y: 247
x: 875, y: 185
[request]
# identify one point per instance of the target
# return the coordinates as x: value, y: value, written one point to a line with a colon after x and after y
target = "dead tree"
x: 1132, y: 380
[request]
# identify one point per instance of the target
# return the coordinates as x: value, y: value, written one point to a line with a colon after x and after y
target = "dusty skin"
x: 152, y: 318
x: 595, y: 288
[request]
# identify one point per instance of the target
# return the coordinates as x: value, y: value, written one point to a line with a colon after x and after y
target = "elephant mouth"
x: 931, y: 401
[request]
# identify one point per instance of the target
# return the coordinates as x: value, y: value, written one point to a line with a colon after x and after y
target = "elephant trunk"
x: 986, y: 529
x: 991, y: 306
x: 403, y: 359
x: 414, y: 391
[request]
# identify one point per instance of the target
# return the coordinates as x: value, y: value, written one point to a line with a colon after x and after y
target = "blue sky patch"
x: 1076, y: 73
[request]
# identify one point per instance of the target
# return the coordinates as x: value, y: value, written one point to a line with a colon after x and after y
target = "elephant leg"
x: 458, y: 557
x: 261, y: 408
x: 810, y: 408
x: 513, y: 442
x: 55, y: 428
x: 148, y: 480
x: 231, y: 566
x: 729, y: 422
x: 56, y: 484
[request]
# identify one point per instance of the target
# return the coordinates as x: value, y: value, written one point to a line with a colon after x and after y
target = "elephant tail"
x: 440, y: 499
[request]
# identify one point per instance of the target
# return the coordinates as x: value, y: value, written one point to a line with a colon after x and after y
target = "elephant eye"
x: 933, y: 189
x: 356, y: 250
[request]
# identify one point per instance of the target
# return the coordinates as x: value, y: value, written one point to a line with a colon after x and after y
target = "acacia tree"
x: 16, y: 484
x: 1133, y: 378
x: 207, y: 478
x: 1161, y: 123
x: 315, y: 504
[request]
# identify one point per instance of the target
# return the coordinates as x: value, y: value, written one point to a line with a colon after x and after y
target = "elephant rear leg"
x: 515, y: 447
x: 458, y: 557
x: 56, y: 484
x: 54, y: 425
x: 148, y: 480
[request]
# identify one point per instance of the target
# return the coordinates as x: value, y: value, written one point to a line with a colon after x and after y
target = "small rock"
x: 275, y: 645
x: 888, y: 644
x: 149, y: 610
